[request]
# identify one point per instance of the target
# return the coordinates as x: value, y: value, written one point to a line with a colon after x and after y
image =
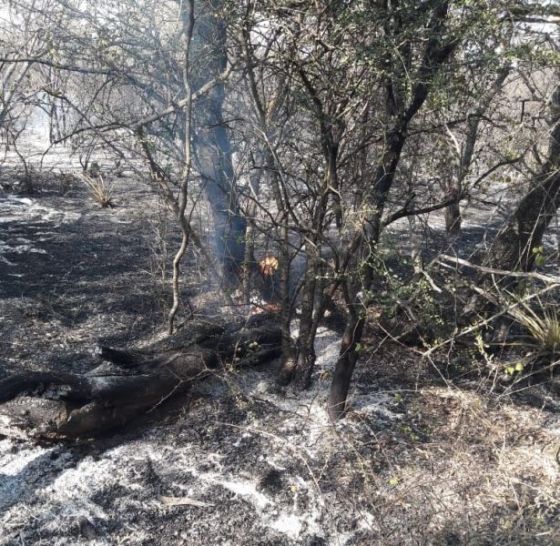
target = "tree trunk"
x: 438, y: 50
x: 513, y: 248
x: 213, y: 154
x: 453, y: 217
x: 345, y: 365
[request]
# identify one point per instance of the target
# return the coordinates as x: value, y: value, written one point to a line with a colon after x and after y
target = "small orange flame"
x: 268, y: 266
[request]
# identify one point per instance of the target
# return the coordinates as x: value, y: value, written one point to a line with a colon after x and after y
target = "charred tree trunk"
x: 513, y: 247
x: 53, y: 405
x: 298, y: 365
x: 345, y: 365
x: 305, y: 359
x: 213, y: 153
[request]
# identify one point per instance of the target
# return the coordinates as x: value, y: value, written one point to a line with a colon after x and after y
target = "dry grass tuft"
x: 99, y: 190
x: 543, y: 326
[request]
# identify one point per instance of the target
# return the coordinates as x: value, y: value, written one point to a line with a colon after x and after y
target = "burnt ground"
x: 239, y: 461
x: 70, y: 271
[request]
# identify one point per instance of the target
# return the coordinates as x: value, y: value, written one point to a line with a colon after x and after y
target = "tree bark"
x: 213, y: 153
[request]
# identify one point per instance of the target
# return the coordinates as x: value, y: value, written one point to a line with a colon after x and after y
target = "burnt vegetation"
x: 253, y: 174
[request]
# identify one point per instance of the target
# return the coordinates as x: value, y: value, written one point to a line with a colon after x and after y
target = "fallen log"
x: 54, y: 405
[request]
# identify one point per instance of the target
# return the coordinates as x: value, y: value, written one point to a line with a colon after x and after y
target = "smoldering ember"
x: 279, y: 272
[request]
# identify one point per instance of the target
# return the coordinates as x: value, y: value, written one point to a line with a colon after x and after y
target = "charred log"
x: 53, y: 405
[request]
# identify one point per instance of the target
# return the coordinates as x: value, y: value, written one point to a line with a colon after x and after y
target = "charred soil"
x: 239, y: 460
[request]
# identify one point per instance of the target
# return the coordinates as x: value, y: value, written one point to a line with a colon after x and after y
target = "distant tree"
x: 19, y: 82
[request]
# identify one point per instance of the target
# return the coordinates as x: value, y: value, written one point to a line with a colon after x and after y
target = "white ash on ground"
x: 241, y: 461
x: 247, y: 463
x: 244, y: 456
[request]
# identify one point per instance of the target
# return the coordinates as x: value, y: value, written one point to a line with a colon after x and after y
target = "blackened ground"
x: 73, y: 273
x: 239, y: 461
